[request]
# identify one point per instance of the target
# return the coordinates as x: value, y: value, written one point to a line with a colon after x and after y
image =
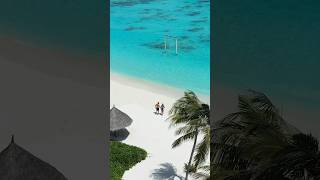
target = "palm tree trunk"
x: 305, y: 174
x: 192, y: 152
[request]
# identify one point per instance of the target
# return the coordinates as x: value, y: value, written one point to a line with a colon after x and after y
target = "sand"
x: 53, y: 102
x: 149, y: 131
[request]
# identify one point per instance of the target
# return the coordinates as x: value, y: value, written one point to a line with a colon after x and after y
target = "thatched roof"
x: 118, y: 119
x: 119, y: 135
x: 18, y: 164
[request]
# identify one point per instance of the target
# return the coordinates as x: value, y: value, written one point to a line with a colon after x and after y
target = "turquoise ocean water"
x: 137, y: 31
x: 137, y: 42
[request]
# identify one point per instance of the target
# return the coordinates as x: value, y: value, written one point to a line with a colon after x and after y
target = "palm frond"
x: 203, y: 148
x: 184, y: 138
x: 256, y: 143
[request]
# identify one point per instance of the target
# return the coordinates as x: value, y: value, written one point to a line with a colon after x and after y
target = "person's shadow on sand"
x: 157, y: 113
x: 166, y: 171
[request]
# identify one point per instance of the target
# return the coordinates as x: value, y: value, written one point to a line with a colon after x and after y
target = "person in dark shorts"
x: 162, y: 108
x: 157, y: 106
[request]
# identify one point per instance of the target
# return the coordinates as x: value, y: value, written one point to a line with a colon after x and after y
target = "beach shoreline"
x: 154, y: 87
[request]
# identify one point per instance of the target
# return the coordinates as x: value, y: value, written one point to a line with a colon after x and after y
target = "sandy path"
x: 149, y: 131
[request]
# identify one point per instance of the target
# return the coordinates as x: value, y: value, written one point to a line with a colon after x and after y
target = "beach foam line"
x: 157, y: 88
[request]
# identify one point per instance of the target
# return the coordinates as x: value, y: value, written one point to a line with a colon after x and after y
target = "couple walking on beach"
x: 157, y: 106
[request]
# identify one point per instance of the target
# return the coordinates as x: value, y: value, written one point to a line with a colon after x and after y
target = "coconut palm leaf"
x: 202, y: 173
x: 186, y: 137
x: 256, y: 143
x: 191, y: 117
x: 299, y: 157
x: 203, y: 148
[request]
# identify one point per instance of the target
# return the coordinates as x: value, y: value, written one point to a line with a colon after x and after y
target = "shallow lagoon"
x: 138, y: 30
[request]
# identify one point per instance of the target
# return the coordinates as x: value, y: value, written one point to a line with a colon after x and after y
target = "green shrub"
x: 123, y: 157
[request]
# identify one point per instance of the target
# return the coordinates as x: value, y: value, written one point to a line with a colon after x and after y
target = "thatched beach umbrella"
x: 18, y: 164
x: 118, y: 119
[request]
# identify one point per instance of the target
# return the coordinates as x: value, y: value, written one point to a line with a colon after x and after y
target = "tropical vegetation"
x: 256, y: 143
x: 191, y: 118
x: 123, y: 157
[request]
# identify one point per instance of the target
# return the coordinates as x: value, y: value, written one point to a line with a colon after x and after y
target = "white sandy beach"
x: 149, y: 131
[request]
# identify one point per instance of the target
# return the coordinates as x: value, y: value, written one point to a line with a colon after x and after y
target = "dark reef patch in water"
x: 145, y: 18
x: 123, y: 3
x: 137, y: 21
x: 204, y: 38
x: 157, y: 16
x: 200, y: 20
x: 204, y: 1
x: 131, y: 28
x: 171, y: 19
x: 154, y: 45
x: 193, y: 13
x: 196, y: 29
x: 127, y: 3
x: 144, y: 12
x: 179, y: 9
x: 183, y: 37
x: 187, y: 48
x: 186, y: 7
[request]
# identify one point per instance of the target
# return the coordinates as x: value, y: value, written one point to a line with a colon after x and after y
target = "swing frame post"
x: 166, y: 44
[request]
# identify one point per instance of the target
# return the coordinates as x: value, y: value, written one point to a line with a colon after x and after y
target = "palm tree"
x: 300, y: 159
x: 193, y: 115
x: 256, y: 143
x: 202, y: 172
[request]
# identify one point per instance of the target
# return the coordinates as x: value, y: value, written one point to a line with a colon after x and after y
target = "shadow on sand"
x: 166, y: 171
x: 119, y: 135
